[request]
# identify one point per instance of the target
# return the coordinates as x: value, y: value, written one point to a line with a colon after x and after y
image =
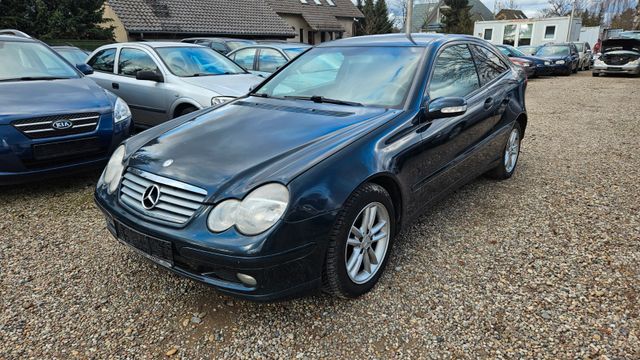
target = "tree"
x: 56, y: 19
x: 624, y: 20
x: 457, y: 19
x: 557, y: 8
x: 376, y: 18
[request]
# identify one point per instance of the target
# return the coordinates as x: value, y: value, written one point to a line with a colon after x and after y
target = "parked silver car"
x: 266, y: 58
x: 584, y: 51
x: 163, y: 80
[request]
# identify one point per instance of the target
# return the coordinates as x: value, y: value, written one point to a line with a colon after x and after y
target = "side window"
x: 490, y: 66
x: 103, y: 61
x: 219, y: 47
x: 454, y: 73
x: 550, y: 32
x: 245, y: 58
x: 133, y: 60
x: 271, y: 60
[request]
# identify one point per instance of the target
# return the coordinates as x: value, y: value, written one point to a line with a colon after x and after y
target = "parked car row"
x: 243, y: 195
x: 551, y: 58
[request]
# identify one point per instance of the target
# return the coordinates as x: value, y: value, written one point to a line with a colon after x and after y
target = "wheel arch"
x: 522, y: 120
x: 181, y: 104
x: 391, y: 185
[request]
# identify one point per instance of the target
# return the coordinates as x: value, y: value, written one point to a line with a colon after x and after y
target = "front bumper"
x: 612, y: 69
x: 285, y: 261
x: 19, y: 162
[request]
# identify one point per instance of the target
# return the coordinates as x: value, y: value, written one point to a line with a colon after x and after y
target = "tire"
x: 575, y: 70
x: 336, y: 278
x: 595, y: 74
x: 186, y: 110
x: 506, y: 169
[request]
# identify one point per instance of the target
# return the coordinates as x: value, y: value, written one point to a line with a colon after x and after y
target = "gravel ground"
x: 544, y: 265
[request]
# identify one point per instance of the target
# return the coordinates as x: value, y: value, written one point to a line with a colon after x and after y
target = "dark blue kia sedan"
x: 53, y: 119
x: 305, y: 183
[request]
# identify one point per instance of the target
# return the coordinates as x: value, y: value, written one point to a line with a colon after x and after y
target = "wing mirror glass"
x: 85, y: 69
x: 446, y: 107
x: 149, y: 75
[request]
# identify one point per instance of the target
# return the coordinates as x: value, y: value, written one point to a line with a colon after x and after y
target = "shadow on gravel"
x: 43, y: 187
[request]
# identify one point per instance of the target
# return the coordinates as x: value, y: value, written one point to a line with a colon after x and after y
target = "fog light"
x: 247, y: 280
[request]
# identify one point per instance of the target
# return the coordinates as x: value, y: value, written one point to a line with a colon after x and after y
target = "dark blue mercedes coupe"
x: 305, y: 182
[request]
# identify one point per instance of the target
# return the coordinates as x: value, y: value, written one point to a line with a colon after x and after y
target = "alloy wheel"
x: 367, y: 243
x: 512, y: 151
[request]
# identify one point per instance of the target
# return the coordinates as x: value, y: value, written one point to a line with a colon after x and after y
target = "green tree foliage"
x: 457, y: 19
x: 55, y: 19
x: 376, y: 18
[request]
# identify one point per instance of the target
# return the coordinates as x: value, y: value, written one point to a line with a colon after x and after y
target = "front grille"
x: 42, y: 127
x: 177, y: 203
x: 619, y: 59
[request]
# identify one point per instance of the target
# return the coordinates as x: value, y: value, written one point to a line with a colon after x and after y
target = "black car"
x: 221, y: 45
x: 536, y: 66
x: 560, y: 58
x: 305, y: 182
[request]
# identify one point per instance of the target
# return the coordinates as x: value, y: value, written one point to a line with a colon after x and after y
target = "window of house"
x: 317, y: 2
x: 524, y: 38
x: 103, y: 61
x: 488, y: 34
x: 490, y: 66
x: 550, y: 32
x: 133, y: 60
x: 301, y: 35
x: 245, y: 58
x: 509, y: 37
x: 303, y: 1
x: 331, y: 3
x: 270, y: 60
x: 454, y: 73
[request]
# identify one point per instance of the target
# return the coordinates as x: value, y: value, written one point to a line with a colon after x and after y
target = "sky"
x: 530, y: 7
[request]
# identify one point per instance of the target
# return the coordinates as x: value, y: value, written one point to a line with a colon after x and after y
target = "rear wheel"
x: 359, y: 243
x: 510, y: 156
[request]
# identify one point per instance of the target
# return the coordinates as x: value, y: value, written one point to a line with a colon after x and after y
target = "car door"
x: 445, y: 140
x: 147, y: 99
x: 103, y: 64
x: 247, y: 58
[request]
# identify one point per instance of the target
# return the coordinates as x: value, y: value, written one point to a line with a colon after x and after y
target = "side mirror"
x: 446, y: 107
x: 85, y: 69
x: 149, y: 75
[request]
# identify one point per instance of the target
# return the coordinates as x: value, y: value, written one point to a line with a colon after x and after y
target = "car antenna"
x: 407, y: 21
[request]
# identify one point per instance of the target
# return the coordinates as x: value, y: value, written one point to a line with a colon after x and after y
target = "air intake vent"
x: 293, y: 109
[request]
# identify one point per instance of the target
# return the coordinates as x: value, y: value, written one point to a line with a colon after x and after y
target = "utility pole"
x: 407, y: 23
x: 573, y: 14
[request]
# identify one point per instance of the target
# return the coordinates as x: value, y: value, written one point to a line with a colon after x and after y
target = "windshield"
x: 32, y: 61
x: 630, y: 35
x: 197, y: 61
x: 511, y: 51
x: 528, y: 49
x: 74, y: 56
x: 376, y: 76
x: 553, y: 51
x: 238, y: 44
x: 293, y: 53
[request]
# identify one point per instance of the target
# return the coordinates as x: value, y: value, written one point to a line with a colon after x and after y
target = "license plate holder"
x: 157, y: 250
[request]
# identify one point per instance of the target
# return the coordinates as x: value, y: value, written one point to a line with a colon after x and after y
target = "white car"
x: 164, y: 80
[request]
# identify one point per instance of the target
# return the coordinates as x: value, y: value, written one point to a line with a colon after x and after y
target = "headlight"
x: 560, y: 62
x: 121, y: 111
x: 113, y: 172
x: 599, y: 62
x: 634, y: 62
x: 255, y: 214
x: 219, y: 100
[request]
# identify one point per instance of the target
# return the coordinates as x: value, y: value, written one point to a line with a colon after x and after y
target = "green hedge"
x: 89, y: 45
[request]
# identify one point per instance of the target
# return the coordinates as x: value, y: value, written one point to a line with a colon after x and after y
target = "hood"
x: 26, y: 99
x: 251, y: 141
x: 226, y: 85
x: 534, y: 59
x: 621, y: 44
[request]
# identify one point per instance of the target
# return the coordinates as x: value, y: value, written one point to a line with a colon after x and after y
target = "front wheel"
x: 510, y: 156
x: 359, y: 243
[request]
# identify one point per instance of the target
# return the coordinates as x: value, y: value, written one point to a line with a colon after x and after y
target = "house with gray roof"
x: 310, y: 21
x: 427, y: 15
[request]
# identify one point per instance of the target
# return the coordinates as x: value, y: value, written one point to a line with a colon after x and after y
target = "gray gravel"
x: 544, y: 265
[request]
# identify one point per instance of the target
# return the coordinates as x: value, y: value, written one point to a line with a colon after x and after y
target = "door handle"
x: 115, y: 85
x: 488, y: 103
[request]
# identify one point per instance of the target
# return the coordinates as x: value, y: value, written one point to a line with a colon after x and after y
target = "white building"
x: 521, y: 32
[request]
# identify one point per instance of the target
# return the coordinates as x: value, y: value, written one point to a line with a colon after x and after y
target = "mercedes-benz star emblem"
x: 150, y: 197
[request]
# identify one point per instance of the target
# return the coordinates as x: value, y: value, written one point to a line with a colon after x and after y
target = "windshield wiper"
x: 322, y: 99
x: 34, y: 78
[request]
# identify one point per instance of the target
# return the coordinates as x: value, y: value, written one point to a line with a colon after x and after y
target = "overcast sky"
x: 530, y: 7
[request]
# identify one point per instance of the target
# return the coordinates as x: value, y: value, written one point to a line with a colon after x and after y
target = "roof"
x: 322, y: 17
x: 398, y: 39
x: 425, y: 14
x: 510, y: 14
x: 210, y: 17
